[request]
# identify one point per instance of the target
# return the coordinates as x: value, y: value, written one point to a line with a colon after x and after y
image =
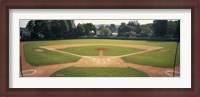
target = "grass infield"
x: 91, y: 50
x: 99, y: 72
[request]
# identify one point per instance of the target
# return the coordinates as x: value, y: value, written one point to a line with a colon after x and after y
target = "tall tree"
x: 123, y: 28
x: 112, y: 28
x: 37, y: 29
x: 160, y: 28
x: 60, y: 29
x: 90, y: 29
x: 46, y: 31
x: 177, y: 34
x: 131, y: 23
x: 100, y: 28
x: 55, y: 27
x: 171, y: 29
x: 30, y: 26
x: 80, y: 30
x: 64, y: 29
x: 72, y: 29
x: 106, y: 31
x: 138, y: 29
x: 146, y: 31
x: 42, y: 28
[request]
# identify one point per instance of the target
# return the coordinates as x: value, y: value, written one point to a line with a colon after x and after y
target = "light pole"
x: 21, y: 67
x: 176, y: 56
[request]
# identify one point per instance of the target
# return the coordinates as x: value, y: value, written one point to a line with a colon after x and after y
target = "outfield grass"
x: 160, y: 58
x: 100, y: 72
x: 164, y: 58
x: 46, y: 57
x: 91, y: 50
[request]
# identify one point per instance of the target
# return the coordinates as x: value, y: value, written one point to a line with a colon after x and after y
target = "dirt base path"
x: 145, y: 48
x: 93, y: 61
x: 154, y: 71
x: 101, y: 53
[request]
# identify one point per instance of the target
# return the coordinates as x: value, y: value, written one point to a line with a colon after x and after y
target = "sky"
x: 22, y: 23
x: 117, y: 22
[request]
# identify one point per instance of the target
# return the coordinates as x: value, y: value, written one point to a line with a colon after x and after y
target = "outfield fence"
x: 133, y: 38
x: 110, y: 37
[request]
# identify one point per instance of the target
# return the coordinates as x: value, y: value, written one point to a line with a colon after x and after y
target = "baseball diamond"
x: 102, y: 57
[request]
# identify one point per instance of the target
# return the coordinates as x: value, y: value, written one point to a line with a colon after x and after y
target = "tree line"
x: 159, y: 28
x: 66, y: 29
x: 63, y: 29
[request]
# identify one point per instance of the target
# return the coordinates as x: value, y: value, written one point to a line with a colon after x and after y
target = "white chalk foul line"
x: 30, y: 72
x: 170, y: 72
x: 148, y: 50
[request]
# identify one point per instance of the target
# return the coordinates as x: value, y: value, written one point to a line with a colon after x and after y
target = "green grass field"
x: 45, y: 57
x: 91, y: 50
x: 160, y: 58
x: 99, y: 72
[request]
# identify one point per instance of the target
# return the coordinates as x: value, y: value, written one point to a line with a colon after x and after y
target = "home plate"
x: 100, y: 62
